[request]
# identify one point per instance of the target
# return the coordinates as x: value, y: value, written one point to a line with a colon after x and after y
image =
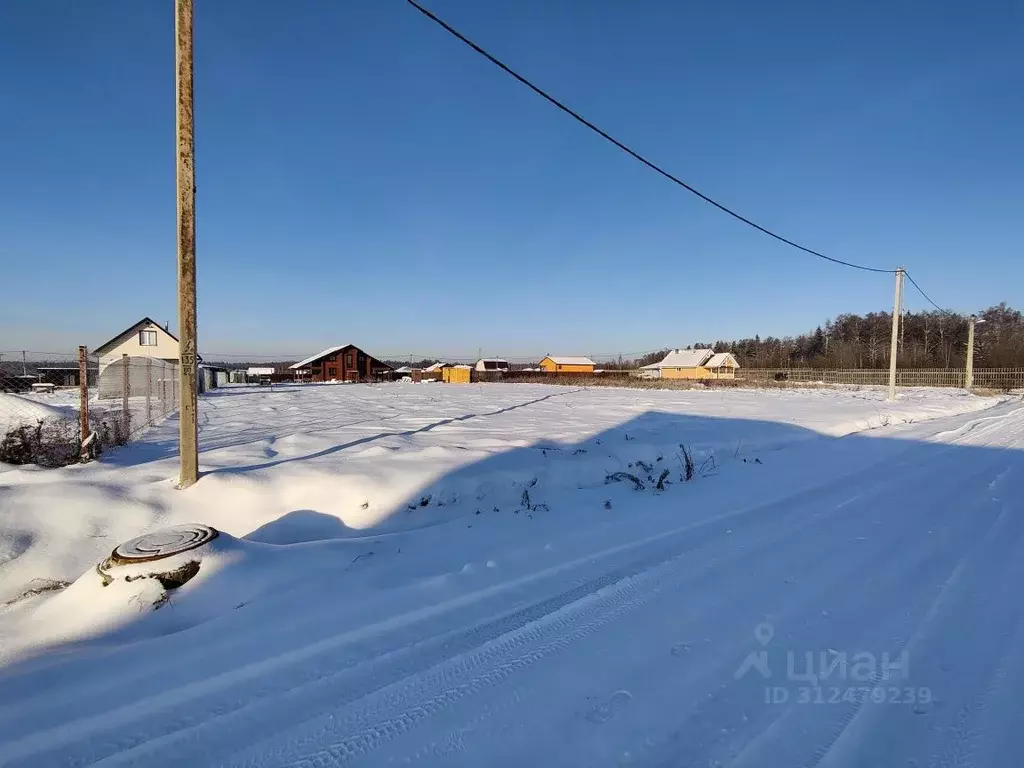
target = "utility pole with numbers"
x: 188, y: 434
x: 894, y: 343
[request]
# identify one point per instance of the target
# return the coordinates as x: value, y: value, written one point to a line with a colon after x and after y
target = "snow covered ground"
x: 30, y: 407
x: 441, y: 574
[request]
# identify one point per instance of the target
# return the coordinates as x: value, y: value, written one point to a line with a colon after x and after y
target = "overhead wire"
x: 631, y: 152
x: 926, y: 296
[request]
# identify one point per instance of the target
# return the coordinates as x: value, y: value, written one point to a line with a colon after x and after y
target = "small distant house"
x: 345, y: 362
x: 211, y: 376
x: 65, y: 375
x: 456, y: 374
x: 693, y: 364
x: 492, y: 365
x: 560, y: 364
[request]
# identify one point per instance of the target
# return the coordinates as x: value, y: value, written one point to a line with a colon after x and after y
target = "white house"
x: 492, y: 364
x: 144, y: 339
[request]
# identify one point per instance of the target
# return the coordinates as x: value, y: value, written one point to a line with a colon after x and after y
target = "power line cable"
x: 926, y: 296
x: 632, y: 153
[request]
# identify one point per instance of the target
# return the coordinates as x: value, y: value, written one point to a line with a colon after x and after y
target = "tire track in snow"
x: 842, y: 748
x: 702, y: 600
x: 372, y: 736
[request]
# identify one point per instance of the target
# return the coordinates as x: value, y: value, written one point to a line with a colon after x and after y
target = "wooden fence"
x: 994, y: 378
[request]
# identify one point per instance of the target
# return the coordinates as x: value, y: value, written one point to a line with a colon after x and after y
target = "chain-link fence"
x: 56, y: 409
x: 132, y: 393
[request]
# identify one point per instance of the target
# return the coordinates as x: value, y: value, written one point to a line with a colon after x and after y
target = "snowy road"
x: 857, y: 604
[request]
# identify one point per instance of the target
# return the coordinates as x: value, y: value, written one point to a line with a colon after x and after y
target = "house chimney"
x: 167, y: 325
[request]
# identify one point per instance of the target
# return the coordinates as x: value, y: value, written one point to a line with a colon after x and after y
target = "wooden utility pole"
x: 188, y: 435
x: 894, y: 342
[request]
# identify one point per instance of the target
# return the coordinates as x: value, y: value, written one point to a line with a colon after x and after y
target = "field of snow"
x: 444, y: 575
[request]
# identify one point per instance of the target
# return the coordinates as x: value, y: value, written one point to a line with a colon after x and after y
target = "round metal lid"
x: 163, y: 543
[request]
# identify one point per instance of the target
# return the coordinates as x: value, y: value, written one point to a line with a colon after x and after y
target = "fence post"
x: 83, y: 399
x: 163, y: 389
x: 149, y: 389
x: 125, y: 416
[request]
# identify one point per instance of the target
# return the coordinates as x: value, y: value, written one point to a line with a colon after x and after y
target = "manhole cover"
x: 163, y: 543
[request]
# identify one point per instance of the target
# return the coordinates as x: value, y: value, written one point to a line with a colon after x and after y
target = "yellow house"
x: 456, y: 374
x: 693, y: 364
x: 552, y: 364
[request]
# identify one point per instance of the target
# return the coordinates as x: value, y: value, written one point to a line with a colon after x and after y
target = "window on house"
x: 351, y: 359
x: 147, y: 338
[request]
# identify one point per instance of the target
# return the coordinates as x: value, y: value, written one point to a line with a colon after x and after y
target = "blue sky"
x: 362, y: 176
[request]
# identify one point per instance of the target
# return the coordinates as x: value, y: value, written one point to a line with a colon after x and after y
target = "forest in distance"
x: 849, y: 341
x: 930, y: 339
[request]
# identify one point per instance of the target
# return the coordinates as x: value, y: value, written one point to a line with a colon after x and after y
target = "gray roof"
x: 719, y: 359
x: 683, y: 358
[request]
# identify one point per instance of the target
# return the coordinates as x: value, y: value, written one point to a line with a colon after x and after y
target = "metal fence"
x: 132, y: 393
x: 994, y: 378
x: 58, y: 408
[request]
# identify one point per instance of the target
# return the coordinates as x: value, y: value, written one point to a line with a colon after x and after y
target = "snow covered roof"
x: 493, y: 360
x: 719, y: 359
x: 404, y: 369
x: 683, y: 358
x: 318, y: 355
x: 562, y: 360
x: 435, y: 367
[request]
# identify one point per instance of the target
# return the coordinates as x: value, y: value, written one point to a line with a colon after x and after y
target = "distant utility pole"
x: 24, y: 366
x: 894, y: 343
x: 969, y: 374
x: 188, y: 434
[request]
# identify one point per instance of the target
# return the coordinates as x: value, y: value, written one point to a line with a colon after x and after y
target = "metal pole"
x: 969, y: 378
x: 149, y: 390
x: 188, y: 434
x: 894, y: 342
x: 83, y: 397
x: 125, y: 416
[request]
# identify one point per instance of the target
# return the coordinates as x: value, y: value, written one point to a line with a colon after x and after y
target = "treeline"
x: 927, y: 340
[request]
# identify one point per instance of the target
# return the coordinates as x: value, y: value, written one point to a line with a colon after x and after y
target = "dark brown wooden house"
x: 346, y: 362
